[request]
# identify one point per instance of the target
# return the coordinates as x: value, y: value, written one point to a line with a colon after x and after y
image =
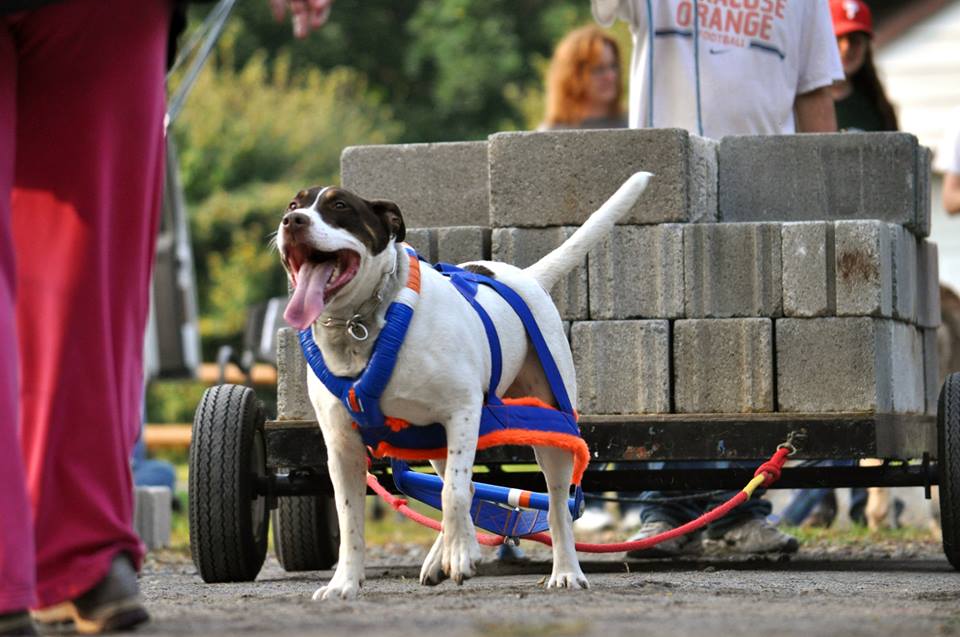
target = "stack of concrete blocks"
x: 755, y: 274
x: 152, y: 517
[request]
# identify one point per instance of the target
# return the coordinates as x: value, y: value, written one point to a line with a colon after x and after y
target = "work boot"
x: 113, y: 604
x: 676, y: 547
x: 17, y: 623
x: 754, y: 536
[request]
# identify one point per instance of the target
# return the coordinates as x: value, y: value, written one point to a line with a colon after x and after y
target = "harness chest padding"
x: 517, y: 421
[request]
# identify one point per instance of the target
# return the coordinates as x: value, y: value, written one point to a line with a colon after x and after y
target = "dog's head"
x: 327, y: 239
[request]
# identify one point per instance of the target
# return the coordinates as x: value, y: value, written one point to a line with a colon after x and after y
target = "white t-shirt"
x: 753, y: 57
x: 948, y: 154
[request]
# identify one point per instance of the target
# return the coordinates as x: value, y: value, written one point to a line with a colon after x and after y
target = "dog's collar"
x: 355, y: 325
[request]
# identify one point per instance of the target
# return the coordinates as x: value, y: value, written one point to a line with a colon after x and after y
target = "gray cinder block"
x: 558, y: 178
x: 723, y: 365
x: 924, y: 161
x: 623, y: 367
x: 905, y: 276
x: 809, y: 272
x: 637, y: 272
x: 152, y: 518
x: 834, y: 364
x: 424, y: 241
x: 907, y: 369
x: 460, y: 244
x: 928, y: 284
x: 732, y: 270
x: 823, y: 177
x: 525, y: 246
x: 864, y: 268
x: 293, y: 403
x: 433, y: 184
x: 931, y: 369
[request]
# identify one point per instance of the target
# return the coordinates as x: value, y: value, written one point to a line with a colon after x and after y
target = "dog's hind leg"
x: 460, y: 548
x: 431, y: 573
x: 557, y: 466
x: 347, y: 463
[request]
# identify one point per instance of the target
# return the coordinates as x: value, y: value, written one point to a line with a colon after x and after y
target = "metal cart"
x: 246, y: 471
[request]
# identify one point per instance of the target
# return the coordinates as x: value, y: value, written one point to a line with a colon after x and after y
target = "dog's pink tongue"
x: 307, y: 303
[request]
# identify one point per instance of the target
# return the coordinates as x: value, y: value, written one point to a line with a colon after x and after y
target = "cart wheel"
x: 948, y: 460
x: 305, y: 532
x: 228, y: 520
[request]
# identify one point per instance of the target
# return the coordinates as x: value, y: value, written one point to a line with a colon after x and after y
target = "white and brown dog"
x: 343, y: 256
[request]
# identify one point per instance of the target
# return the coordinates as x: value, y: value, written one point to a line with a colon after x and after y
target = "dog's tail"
x: 554, y: 266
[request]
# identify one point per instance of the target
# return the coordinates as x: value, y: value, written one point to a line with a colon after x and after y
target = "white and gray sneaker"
x: 755, y: 536
x: 684, y: 545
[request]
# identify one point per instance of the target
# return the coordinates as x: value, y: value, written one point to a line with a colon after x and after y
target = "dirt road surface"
x: 903, y: 588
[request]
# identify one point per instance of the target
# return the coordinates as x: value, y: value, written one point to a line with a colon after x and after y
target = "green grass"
x: 860, y: 535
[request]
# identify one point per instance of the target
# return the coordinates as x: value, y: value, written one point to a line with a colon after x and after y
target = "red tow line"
x: 765, y: 475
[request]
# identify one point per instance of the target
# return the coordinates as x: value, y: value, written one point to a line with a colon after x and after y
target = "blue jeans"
x: 680, y: 512
x: 804, y: 501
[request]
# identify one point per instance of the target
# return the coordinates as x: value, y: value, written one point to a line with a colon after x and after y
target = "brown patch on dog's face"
x: 373, y: 222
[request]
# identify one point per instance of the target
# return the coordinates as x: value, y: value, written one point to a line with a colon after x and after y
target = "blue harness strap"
x: 492, y: 507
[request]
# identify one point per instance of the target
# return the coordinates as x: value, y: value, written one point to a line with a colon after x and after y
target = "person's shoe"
x: 113, y: 604
x: 753, y: 537
x: 630, y: 521
x: 594, y: 520
x: 510, y: 553
x: 17, y: 623
x: 823, y: 514
x: 675, y: 547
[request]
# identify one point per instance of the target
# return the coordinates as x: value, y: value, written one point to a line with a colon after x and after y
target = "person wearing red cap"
x: 861, y: 102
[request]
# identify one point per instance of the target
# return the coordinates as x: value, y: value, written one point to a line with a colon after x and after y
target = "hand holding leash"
x: 306, y: 15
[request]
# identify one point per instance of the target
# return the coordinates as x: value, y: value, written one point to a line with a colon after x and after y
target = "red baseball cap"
x: 850, y: 16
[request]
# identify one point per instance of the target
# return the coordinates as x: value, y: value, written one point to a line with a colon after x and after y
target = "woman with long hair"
x: 583, y: 82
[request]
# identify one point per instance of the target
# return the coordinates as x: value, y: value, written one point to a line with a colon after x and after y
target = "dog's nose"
x: 295, y: 221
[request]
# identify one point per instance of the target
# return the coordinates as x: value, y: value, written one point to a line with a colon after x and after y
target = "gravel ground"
x: 875, y: 589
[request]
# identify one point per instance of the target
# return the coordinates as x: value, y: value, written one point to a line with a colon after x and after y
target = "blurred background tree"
x: 271, y: 114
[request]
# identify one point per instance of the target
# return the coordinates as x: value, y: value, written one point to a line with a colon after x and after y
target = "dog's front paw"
x: 460, y: 556
x: 432, y: 573
x: 568, y: 579
x: 338, y: 589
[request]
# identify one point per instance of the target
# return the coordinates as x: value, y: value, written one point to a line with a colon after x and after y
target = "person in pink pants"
x: 81, y: 172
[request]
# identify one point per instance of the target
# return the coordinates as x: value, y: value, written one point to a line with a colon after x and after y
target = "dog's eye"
x: 292, y: 206
x: 339, y: 205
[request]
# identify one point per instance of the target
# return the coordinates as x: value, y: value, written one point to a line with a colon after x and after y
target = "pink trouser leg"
x: 16, y: 532
x: 86, y: 195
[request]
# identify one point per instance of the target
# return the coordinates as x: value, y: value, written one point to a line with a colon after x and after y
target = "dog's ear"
x: 389, y: 213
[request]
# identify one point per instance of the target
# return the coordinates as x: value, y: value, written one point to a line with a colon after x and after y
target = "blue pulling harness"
x: 500, y: 423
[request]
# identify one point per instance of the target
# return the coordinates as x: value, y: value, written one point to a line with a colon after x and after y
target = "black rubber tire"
x: 948, y: 461
x: 305, y: 532
x: 228, y: 521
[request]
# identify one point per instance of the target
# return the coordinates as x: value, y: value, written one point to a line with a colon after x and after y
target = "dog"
x: 344, y: 259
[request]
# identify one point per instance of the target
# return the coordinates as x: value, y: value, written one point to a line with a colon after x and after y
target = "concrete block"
x: 907, y: 369
x: 822, y: 177
x: 924, y: 187
x: 637, y: 272
x: 524, y: 246
x: 903, y: 247
x: 732, y: 270
x: 723, y: 365
x: 928, y: 284
x: 623, y: 367
x: 558, y: 178
x: 424, y: 241
x: 460, y: 244
x: 931, y: 369
x: 433, y: 184
x: 834, y: 364
x: 809, y: 269
x: 152, y: 517
x: 293, y: 403
x: 864, y: 268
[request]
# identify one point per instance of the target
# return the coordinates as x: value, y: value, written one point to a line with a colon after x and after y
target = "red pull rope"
x: 770, y: 472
